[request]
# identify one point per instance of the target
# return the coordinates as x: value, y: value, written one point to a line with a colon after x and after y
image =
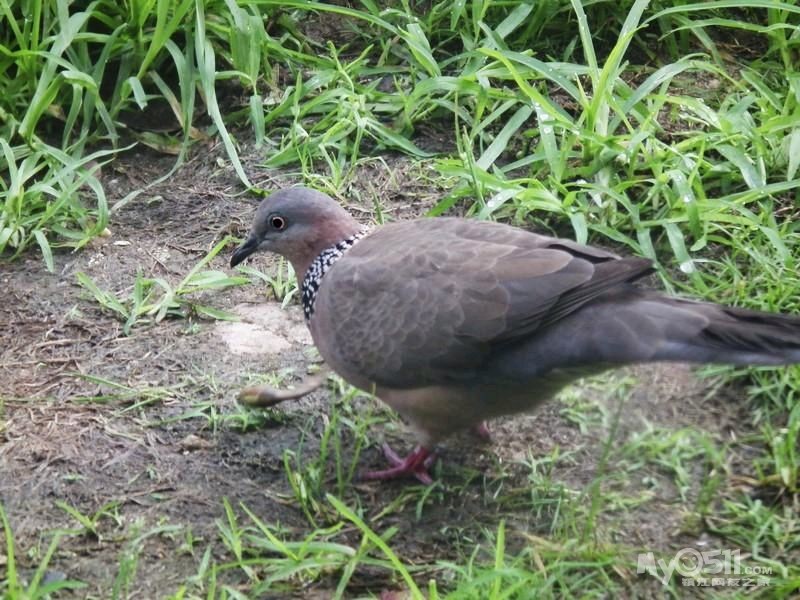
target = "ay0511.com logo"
x: 707, y: 568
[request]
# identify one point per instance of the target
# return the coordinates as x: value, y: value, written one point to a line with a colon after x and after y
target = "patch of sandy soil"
x: 65, y: 438
x: 263, y: 329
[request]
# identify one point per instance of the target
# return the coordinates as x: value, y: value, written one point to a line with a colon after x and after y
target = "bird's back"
x: 428, y: 302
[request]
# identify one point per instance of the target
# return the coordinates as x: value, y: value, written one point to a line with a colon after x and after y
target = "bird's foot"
x: 415, y: 464
x: 482, y: 431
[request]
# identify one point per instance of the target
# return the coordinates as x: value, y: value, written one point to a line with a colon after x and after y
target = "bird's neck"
x: 329, y: 229
x: 320, y: 265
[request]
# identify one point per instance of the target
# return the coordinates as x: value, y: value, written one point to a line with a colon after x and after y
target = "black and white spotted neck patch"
x: 318, y: 268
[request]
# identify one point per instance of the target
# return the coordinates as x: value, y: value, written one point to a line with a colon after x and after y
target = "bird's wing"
x: 425, y: 302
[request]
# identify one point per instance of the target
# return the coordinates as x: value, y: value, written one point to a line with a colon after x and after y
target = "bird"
x: 455, y: 321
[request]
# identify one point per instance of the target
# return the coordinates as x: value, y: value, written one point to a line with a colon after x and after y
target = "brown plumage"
x: 454, y: 321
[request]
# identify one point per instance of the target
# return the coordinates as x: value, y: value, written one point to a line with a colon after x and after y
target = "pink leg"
x: 417, y: 464
x: 482, y: 431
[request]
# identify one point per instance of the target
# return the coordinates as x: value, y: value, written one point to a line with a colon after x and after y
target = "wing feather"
x: 427, y: 302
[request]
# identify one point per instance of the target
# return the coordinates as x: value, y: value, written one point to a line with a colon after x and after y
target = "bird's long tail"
x: 710, y: 333
x: 634, y: 325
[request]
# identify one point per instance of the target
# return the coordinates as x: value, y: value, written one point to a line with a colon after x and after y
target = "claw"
x: 415, y: 464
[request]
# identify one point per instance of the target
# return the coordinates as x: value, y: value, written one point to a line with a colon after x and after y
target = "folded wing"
x: 410, y: 307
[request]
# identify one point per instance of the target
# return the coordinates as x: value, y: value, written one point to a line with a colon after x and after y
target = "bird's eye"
x: 277, y: 222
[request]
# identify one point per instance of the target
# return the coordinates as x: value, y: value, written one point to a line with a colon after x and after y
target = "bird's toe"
x: 415, y: 465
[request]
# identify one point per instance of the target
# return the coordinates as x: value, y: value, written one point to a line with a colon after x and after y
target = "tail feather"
x: 734, y: 335
x: 636, y: 325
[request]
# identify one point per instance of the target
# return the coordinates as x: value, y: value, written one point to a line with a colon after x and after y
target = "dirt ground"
x: 158, y: 461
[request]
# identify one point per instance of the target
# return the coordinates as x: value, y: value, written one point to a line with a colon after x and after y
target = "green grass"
x: 153, y: 299
x: 282, y: 285
x: 13, y: 587
x: 666, y: 128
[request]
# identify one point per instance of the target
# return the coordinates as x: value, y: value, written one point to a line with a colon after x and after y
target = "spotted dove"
x: 454, y: 321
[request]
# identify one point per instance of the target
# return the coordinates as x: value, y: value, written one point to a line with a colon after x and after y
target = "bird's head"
x: 297, y: 223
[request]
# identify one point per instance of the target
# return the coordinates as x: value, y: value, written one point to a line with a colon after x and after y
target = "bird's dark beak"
x: 245, y: 250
